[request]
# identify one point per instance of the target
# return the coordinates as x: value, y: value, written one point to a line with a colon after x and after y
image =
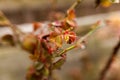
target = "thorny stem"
x: 79, y: 41
x: 110, y: 61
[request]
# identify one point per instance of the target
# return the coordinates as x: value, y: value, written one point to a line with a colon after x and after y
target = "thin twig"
x: 75, y: 4
x: 80, y: 40
x: 67, y: 49
x: 110, y: 61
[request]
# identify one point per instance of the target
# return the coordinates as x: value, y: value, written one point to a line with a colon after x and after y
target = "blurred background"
x: 24, y: 11
x: 83, y: 64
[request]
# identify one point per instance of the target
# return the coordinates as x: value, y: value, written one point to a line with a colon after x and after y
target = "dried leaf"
x: 67, y: 23
x: 71, y: 14
x: 36, y: 25
x: 8, y: 39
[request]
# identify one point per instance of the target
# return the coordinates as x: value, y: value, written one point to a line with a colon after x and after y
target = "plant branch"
x: 110, y: 61
x: 75, y: 4
x: 9, y: 23
x: 15, y: 30
x: 67, y: 49
x: 81, y: 40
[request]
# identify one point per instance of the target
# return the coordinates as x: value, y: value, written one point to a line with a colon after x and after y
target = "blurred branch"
x: 4, y: 21
x: 75, y: 4
x: 8, y: 23
x: 110, y: 61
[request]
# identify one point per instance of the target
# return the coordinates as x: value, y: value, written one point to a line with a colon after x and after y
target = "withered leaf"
x: 8, y: 39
